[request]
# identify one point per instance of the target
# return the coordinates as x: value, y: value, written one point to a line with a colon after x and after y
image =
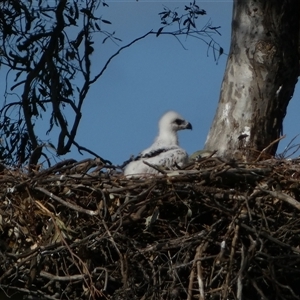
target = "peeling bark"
x: 260, y: 76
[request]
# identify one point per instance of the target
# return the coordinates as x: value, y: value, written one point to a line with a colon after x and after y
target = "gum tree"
x: 260, y: 76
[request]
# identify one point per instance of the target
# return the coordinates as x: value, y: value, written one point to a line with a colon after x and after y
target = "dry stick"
x: 289, y: 147
x: 240, y: 275
x: 199, y: 272
x: 153, y: 272
x: 135, y: 199
x: 173, y: 273
x: 17, y: 266
x: 197, y: 260
x: 217, y: 261
x: 172, y: 243
x: 37, y: 293
x: 124, y: 274
x: 106, y: 276
x: 262, y: 152
x: 62, y: 278
x: 286, y: 287
x: 191, y: 281
x: 269, y: 237
x: 220, y: 256
x: 284, y: 197
x: 85, y: 269
x: 73, y: 255
x: 67, y: 204
x: 57, y: 167
x: 211, y: 281
x: 273, y: 278
x: 232, y: 252
x: 154, y: 167
x: 263, y: 297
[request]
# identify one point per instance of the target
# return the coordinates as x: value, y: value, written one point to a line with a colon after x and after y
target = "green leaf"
x: 192, y: 23
x: 105, y: 40
x: 159, y: 31
x: 221, y: 51
x: 165, y: 15
x: 51, y: 145
x: 90, y: 50
x: 41, y: 105
x: 17, y: 76
x: 106, y: 22
x: 201, y: 12
x: 97, y: 26
x: 86, y: 11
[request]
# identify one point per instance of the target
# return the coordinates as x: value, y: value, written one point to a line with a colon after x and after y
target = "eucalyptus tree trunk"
x: 260, y: 76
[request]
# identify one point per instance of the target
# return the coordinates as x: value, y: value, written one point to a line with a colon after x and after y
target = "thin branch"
x: 117, y: 53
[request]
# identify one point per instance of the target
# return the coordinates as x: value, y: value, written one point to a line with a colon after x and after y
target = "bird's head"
x: 172, y: 122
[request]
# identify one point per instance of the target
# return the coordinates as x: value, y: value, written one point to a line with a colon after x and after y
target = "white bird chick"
x: 165, y: 151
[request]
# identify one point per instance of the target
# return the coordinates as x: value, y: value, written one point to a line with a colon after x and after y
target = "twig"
x: 271, y: 144
x: 122, y: 262
x: 159, y: 169
x: 240, y: 274
x: 67, y: 204
x: 283, y: 197
x: 269, y: 237
x: 231, y: 261
x: 197, y: 263
x: 260, y: 292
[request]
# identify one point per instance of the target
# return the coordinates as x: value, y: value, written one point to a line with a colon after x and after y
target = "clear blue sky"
x: 122, y: 109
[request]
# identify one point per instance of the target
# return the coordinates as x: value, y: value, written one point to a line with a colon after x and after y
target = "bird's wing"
x: 169, y: 158
x: 147, y: 154
x: 165, y: 157
x: 152, y: 152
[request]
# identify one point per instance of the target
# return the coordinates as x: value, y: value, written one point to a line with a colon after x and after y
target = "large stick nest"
x: 215, y: 230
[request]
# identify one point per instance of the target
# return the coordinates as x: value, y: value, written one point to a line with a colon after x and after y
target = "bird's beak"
x: 189, y: 126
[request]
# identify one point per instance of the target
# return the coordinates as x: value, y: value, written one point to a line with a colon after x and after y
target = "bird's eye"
x: 178, y: 121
